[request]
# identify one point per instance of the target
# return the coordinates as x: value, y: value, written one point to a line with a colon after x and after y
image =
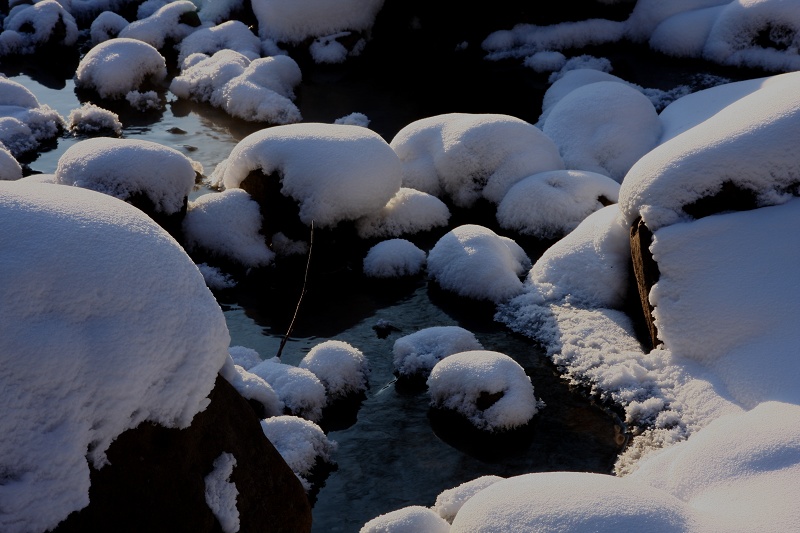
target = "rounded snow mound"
x: 227, y: 224
x: 551, y: 204
x: 418, y: 352
x: 471, y: 156
x: 413, y: 519
x: 488, y: 388
x: 475, y: 262
x: 603, y: 127
x: 118, y: 66
x: 341, y: 368
x: 450, y: 501
x: 10, y: 168
x: 300, y: 442
x: 125, y: 168
x: 573, y: 502
x: 106, y: 323
x: 394, y: 258
x: 299, y: 389
x: 336, y: 172
x: 409, y: 211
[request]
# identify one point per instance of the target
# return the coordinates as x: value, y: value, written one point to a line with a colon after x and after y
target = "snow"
x: 589, y: 265
x: 470, y: 156
x: 450, y: 501
x: 568, y: 82
x: 245, y: 357
x: 299, y: 389
x: 261, y: 89
x: 407, y: 212
x: 460, y: 381
x: 741, y: 33
x: 105, y: 26
x: 221, y: 493
x: 603, y: 127
x: 47, y: 20
x: 252, y: 387
x: 412, y: 519
x: 749, y: 143
x: 90, y: 119
x: 292, y: 21
x: 231, y: 35
x: 227, y: 224
x: 739, y: 473
x: 106, y: 323
x: 118, y: 66
x: 574, y: 502
x: 301, y: 443
x: 164, y: 26
x: 475, y: 262
x: 9, y: 167
x: 353, y: 119
x: 24, y: 123
x: 340, y: 367
x: 418, y: 352
x: 335, y: 172
x: 394, y: 258
x: 125, y: 168
x: 216, y: 279
x: 551, y: 204
x: 699, y: 264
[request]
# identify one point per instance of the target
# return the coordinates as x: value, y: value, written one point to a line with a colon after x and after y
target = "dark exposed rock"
x: 646, y: 273
x: 730, y: 197
x: 155, y: 479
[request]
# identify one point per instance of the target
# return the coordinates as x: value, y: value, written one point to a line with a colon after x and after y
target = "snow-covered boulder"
x: 32, y: 27
x: 24, y: 123
x: 90, y: 119
x: 335, y: 172
x: 169, y: 24
x: 408, y: 212
x: 488, y: 388
x: 10, y: 168
x: 603, y: 127
x: 117, y: 67
x: 748, y: 146
x: 394, y: 258
x: 412, y: 519
x: 301, y: 443
x: 340, y: 367
x: 475, y: 262
x: 260, y: 90
x: 549, y: 205
x: 574, y: 502
x: 106, y: 323
x: 227, y: 225
x: 470, y: 156
x: 153, y: 177
x: 450, y: 501
x: 419, y: 352
x: 231, y: 35
x: 299, y: 389
x: 254, y: 389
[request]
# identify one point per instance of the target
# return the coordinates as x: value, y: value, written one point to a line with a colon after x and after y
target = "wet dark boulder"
x: 156, y: 477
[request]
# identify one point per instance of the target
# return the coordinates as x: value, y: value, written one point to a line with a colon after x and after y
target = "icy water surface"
x: 391, y: 453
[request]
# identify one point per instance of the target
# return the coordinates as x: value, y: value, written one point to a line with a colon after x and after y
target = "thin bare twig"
x: 302, y: 293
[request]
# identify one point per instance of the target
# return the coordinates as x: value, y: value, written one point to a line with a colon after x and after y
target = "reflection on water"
x: 389, y: 456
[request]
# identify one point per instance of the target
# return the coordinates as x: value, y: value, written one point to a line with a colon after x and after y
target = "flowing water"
x: 391, y: 451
